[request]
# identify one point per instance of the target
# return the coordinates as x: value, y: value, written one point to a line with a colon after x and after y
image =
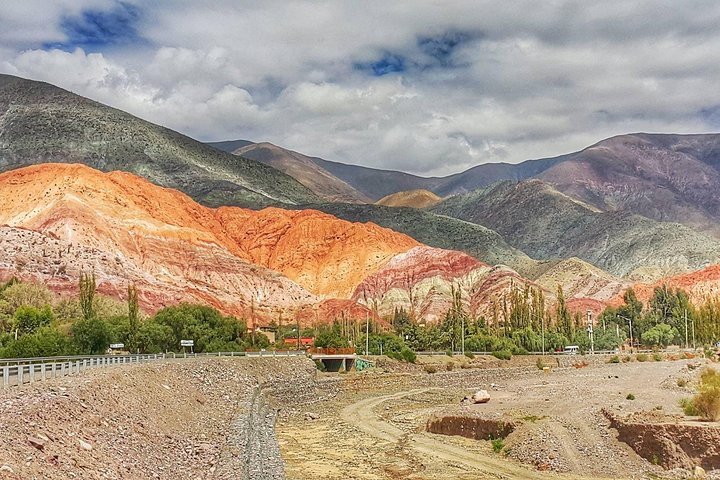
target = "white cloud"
x: 529, y: 80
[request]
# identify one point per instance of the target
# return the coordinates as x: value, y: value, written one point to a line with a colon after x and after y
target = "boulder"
x: 481, y: 396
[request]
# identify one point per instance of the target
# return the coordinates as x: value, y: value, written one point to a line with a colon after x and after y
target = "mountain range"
x: 668, y: 178
x: 41, y: 123
x: 265, y: 232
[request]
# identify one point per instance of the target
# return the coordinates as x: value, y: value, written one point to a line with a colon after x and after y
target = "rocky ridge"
x: 41, y: 123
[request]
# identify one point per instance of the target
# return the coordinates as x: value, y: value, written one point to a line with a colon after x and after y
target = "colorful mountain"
x: 126, y: 229
x: 412, y: 198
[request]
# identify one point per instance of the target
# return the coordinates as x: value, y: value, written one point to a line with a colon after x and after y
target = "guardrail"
x: 18, y: 371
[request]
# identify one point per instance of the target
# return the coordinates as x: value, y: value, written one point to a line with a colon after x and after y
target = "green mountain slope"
x: 42, y: 123
x: 438, y: 231
x: 547, y: 224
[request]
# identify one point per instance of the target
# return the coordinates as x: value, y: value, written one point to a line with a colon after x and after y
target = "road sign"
x: 187, y: 343
x: 117, y: 346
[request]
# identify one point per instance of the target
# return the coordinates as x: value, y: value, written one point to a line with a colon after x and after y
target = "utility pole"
x: 693, y: 333
x: 631, y: 333
x: 590, y: 331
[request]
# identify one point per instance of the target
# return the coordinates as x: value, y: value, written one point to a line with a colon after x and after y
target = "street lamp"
x: 631, y: 335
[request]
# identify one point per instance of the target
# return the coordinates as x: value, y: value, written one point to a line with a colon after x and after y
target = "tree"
x: 661, y: 334
x: 17, y: 294
x: 87, y: 295
x: 91, y: 336
x: 133, y: 318
x: 563, y: 319
x: 27, y: 319
x: 44, y: 342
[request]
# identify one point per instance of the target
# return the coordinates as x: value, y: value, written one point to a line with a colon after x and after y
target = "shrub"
x: 470, y: 355
x: 320, y: 365
x: 630, y: 396
x: 430, y: 369
x: 614, y: 359
x: 540, y: 364
x: 641, y: 357
x: 497, y: 444
x: 688, y: 407
x: 449, y: 353
x: 450, y: 366
x: 707, y: 401
x: 408, y: 355
x: 626, y: 359
x: 502, y: 354
x: 682, y: 382
x: 465, y: 366
x: 657, y: 357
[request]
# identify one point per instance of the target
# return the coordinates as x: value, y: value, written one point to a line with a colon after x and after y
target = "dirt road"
x: 362, y: 414
x: 375, y: 427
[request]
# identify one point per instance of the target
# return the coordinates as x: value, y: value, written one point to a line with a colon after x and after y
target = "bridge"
x: 339, y: 359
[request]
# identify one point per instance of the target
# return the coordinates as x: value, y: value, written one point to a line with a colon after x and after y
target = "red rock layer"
x: 699, y: 285
x: 124, y: 213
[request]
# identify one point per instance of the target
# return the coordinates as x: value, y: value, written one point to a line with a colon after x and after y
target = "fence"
x: 18, y: 371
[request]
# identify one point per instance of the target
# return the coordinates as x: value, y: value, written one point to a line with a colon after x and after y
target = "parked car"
x: 571, y: 350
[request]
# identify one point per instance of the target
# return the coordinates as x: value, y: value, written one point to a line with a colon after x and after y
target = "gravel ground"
x: 192, y: 419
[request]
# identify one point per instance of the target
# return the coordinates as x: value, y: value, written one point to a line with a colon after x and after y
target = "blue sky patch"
x: 94, y: 30
x: 441, y: 47
x: 388, y: 63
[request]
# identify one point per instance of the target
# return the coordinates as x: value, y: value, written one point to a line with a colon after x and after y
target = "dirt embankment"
x: 470, y: 426
x: 194, y: 419
x: 668, y: 441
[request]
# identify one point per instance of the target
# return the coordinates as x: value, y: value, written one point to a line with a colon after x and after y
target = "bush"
x: 540, y: 364
x: 408, y: 355
x: 614, y: 359
x: 502, y: 354
x: 450, y: 366
x: 430, y: 369
x: 641, y: 357
x: 688, y: 407
x: 449, y: 353
x: 630, y: 396
x: 626, y: 359
x: 470, y: 355
x: 682, y: 382
x: 497, y: 444
x: 707, y: 401
x: 657, y: 357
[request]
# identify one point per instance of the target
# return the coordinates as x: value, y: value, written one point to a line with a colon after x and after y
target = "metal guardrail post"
x: 6, y: 377
x: 20, y: 372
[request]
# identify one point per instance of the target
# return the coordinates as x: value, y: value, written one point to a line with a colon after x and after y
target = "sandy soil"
x: 374, y: 428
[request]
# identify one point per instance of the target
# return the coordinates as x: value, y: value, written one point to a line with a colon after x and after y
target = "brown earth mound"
x: 665, y: 441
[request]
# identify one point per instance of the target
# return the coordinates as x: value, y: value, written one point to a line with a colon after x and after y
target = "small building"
x: 304, y: 344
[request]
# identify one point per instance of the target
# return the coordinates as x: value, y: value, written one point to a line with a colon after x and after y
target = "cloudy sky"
x: 427, y: 87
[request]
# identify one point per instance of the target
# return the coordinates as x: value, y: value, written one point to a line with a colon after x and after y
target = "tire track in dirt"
x: 362, y: 415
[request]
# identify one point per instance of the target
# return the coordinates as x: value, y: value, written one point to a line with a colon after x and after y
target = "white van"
x: 571, y: 350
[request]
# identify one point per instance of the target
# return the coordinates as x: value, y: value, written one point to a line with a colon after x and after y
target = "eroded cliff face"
x: 700, y: 285
x: 128, y: 230
x: 422, y: 281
